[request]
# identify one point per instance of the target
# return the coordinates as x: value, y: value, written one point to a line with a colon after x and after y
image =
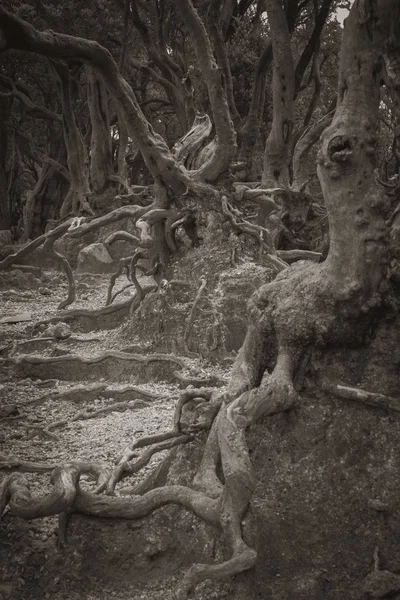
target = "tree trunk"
x: 16, y: 33
x: 250, y: 131
x: 5, y: 208
x: 276, y: 156
x: 214, y: 28
x: 77, y: 158
x: 101, y: 166
x: 44, y: 202
x: 300, y: 154
x: 358, y: 234
x: 123, y: 140
x: 226, y: 147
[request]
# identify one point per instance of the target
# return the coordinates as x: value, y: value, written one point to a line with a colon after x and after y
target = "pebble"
x: 44, y: 291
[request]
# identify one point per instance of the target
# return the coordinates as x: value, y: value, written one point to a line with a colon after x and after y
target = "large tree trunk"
x: 301, y: 151
x: 226, y: 147
x: 276, y: 157
x: 5, y: 207
x: 77, y: 158
x: 101, y: 167
x: 250, y: 131
x: 214, y: 26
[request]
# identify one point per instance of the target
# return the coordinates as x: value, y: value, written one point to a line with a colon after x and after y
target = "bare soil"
x: 31, y: 563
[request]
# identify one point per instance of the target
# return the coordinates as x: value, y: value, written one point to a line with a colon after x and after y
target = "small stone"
x: 62, y: 331
x: 44, y: 291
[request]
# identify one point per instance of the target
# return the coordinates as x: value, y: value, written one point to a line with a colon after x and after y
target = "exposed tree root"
x: 258, y: 232
x: 107, y: 317
x: 85, y: 416
x: 122, y: 266
x: 10, y: 463
x: 74, y: 366
x: 48, y: 247
x: 83, y: 393
x: 151, y: 480
x: 34, y: 360
x: 55, y: 233
x: 66, y: 495
x: 121, y: 291
x: 359, y: 395
x: 123, y: 469
x: 289, y: 255
x: 44, y: 340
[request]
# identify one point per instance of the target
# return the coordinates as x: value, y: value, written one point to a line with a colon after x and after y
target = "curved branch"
x: 18, y: 34
x: 225, y: 134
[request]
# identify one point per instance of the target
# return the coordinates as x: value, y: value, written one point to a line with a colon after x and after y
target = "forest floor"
x: 41, y: 423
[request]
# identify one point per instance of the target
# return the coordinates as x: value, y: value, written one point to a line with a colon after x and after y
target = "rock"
x: 62, y: 331
x: 48, y: 332
x: 5, y: 237
x: 60, y: 351
x: 44, y: 291
x: 95, y: 259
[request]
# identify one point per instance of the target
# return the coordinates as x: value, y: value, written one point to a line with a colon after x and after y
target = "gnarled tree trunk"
x: 276, y: 156
x: 101, y: 167
x: 77, y: 159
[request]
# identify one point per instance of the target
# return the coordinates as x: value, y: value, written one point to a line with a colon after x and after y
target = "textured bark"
x: 171, y: 76
x: 306, y: 141
x: 77, y: 159
x: 312, y: 44
x: 188, y: 149
x: 225, y: 150
x: 101, y: 166
x: 214, y: 26
x: 16, y: 33
x: 348, y: 155
x: 5, y: 207
x: 278, y: 144
x: 250, y: 131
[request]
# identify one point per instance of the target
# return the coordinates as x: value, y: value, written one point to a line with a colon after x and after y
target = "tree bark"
x: 16, y: 33
x: 306, y: 141
x: 214, y: 26
x: 77, y: 158
x: 5, y: 207
x: 276, y: 156
x: 226, y: 147
x: 250, y: 131
x: 312, y: 45
x: 101, y: 166
x: 358, y: 234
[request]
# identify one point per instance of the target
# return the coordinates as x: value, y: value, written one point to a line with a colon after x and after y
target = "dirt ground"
x: 41, y: 424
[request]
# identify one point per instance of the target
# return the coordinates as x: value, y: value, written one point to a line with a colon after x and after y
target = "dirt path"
x: 41, y: 423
